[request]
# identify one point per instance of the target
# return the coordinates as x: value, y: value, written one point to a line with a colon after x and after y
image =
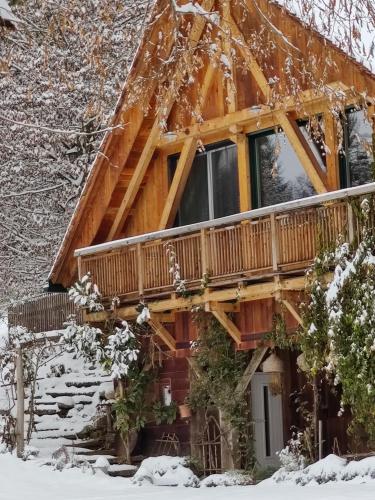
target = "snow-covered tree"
x: 61, y: 71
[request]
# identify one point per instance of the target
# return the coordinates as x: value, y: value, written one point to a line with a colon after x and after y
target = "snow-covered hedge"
x: 329, y: 469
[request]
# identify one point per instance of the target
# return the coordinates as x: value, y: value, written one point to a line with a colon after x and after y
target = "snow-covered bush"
x: 84, y: 339
x: 85, y: 294
x: 291, y: 457
x: 330, y: 469
x: 165, y: 471
x: 231, y: 478
x: 121, y: 351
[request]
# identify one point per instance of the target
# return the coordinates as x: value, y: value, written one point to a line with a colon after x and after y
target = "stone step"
x: 89, y: 444
x: 81, y: 384
x: 122, y: 470
x: 91, y: 459
x: 71, y: 392
x: 88, y: 453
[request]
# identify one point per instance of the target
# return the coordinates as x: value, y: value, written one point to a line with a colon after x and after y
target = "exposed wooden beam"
x: 186, y: 160
x: 247, y: 119
x: 247, y: 294
x: 292, y: 311
x: 180, y: 178
x: 222, y: 306
x: 228, y: 66
x: 303, y: 151
x: 228, y: 324
x: 251, y: 368
x: 152, y: 140
x: 162, y: 332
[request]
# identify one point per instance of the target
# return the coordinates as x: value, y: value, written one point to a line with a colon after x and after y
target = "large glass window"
x: 212, y: 187
x: 277, y: 174
x: 356, y: 157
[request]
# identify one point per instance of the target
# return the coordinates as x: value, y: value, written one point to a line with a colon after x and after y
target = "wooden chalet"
x: 246, y: 221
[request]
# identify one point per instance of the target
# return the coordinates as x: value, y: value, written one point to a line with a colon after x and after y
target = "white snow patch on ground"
x: 20, y: 480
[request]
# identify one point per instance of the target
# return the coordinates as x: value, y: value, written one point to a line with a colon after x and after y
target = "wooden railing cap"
x: 311, y: 201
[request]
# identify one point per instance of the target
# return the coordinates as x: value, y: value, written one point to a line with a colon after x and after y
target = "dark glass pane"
x: 314, y: 135
x: 359, y: 154
x: 225, y: 182
x: 280, y: 175
x: 266, y: 410
x: 194, y: 202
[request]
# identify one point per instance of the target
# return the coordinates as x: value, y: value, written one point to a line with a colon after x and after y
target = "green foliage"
x: 164, y: 414
x: 339, y: 324
x: 130, y: 409
x: 279, y: 335
x: 220, y: 369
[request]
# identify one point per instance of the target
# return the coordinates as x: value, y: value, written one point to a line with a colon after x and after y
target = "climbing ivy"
x: 219, y: 368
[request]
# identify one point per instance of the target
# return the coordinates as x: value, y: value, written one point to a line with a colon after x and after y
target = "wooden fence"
x: 42, y: 314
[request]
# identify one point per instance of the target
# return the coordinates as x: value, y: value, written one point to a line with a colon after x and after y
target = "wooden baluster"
x: 351, y: 231
x: 204, y: 252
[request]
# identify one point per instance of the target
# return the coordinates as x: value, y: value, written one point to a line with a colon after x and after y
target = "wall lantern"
x: 273, y: 364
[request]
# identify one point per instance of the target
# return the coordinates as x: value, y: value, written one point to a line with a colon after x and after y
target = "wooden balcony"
x: 282, y: 239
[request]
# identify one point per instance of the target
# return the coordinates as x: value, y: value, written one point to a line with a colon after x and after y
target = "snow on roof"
x: 6, y: 13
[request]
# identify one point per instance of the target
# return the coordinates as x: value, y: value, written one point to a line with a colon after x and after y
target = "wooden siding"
x: 43, y: 314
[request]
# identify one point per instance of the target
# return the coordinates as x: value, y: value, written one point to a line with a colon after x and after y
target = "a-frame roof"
x: 120, y: 166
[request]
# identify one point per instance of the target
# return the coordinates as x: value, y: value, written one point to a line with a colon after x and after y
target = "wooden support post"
x: 79, y: 264
x: 229, y: 326
x: 204, y: 252
x: 140, y: 269
x: 332, y: 160
x: 351, y: 228
x: 20, y: 430
x: 243, y: 162
x: 274, y: 243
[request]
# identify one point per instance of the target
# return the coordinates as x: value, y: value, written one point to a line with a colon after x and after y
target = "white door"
x: 268, y: 420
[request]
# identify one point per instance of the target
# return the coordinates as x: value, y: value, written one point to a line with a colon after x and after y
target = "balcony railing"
x: 284, y: 237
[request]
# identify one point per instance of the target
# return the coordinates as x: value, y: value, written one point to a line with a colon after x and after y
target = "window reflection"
x: 357, y: 157
x: 212, y: 187
x: 277, y: 173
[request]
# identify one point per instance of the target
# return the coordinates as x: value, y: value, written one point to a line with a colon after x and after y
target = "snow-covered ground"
x: 20, y: 480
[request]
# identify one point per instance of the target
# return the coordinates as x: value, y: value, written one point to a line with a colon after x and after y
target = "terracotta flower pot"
x: 185, y: 411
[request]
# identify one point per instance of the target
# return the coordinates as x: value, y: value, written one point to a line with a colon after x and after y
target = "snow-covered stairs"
x: 66, y: 410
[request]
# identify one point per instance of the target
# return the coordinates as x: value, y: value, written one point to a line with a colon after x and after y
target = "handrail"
x: 228, y: 220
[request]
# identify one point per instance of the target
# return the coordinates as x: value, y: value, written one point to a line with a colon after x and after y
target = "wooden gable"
x: 128, y: 191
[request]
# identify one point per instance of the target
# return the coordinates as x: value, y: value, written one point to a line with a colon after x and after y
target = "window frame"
x: 208, y: 152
